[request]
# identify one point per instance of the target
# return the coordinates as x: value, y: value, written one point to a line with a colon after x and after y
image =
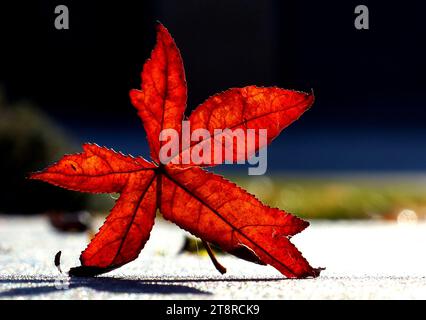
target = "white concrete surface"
x: 364, y: 260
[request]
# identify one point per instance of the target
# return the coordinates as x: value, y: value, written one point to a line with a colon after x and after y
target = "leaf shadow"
x: 40, y: 286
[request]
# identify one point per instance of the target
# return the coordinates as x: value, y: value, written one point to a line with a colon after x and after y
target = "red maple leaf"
x: 205, y: 204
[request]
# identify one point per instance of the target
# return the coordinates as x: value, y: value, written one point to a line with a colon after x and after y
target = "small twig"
x: 216, y: 263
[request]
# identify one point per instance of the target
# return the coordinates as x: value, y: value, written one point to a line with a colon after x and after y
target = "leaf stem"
x: 216, y: 263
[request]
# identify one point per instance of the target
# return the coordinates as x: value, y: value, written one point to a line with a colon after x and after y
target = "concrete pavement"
x: 364, y: 260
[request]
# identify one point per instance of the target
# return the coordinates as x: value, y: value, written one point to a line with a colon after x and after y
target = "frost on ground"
x: 364, y: 260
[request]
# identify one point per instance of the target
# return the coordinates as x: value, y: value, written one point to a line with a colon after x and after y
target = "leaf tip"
x: 34, y: 175
x: 160, y: 26
x: 86, y: 271
x: 316, y: 272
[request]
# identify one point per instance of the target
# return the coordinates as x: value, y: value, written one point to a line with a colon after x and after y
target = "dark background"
x: 370, y: 110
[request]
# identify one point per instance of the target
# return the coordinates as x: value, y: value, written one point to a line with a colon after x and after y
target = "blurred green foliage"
x: 381, y: 196
x: 29, y: 141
